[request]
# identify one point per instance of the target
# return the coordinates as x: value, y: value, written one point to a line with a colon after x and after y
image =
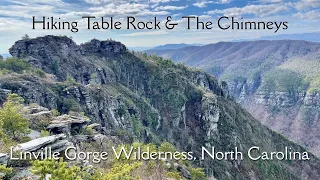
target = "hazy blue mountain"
x: 5, y: 55
x: 139, y: 48
x: 238, y: 58
x: 174, y: 46
x: 313, y: 37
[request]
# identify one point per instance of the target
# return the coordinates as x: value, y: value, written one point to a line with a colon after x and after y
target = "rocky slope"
x: 139, y: 97
x: 276, y: 81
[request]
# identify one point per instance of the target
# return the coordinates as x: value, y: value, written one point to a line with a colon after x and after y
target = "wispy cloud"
x: 307, y: 4
x: 258, y: 10
x: 162, y: 1
x: 271, y: 1
x: 170, y: 8
x: 223, y: 1
x: 205, y: 3
x: 311, y: 15
x: 202, y: 4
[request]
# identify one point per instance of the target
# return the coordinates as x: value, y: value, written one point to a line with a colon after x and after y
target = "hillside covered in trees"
x: 98, y: 94
x: 276, y: 81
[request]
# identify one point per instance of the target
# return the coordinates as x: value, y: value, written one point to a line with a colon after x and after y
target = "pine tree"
x: 4, y: 171
x: 122, y: 171
x: 1, y: 130
x: 26, y: 37
x: 14, y: 125
x: 56, y: 170
x: 197, y: 174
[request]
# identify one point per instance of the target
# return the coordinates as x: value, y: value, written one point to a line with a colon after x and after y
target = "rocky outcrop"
x: 295, y: 115
x: 3, y: 94
x: 4, y: 158
x: 57, y: 143
x: 42, y: 53
x: 36, y: 115
x: 67, y: 124
x: 108, y: 48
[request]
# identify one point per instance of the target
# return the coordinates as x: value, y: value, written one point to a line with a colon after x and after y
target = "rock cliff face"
x: 139, y: 97
x: 294, y: 115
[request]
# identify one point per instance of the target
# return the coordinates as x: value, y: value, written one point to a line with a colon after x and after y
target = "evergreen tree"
x: 14, y: 125
x: 56, y: 170
x: 197, y: 174
x: 26, y: 37
x: 4, y: 171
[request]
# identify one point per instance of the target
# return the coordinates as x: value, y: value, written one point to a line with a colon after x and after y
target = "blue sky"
x: 16, y: 19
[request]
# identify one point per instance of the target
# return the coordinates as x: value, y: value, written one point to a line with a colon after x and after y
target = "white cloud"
x: 29, y: 8
x: 202, y: 4
x: 307, y: 4
x: 24, y: 11
x: 170, y: 8
x: 125, y: 10
x: 311, y: 15
x: 258, y: 10
x: 94, y: 1
x: 161, y: 1
x: 37, y: 2
x: 224, y: 1
x: 271, y: 1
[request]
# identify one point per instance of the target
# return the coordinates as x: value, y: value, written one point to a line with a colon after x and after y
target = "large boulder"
x: 37, y: 115
x: 57, y: 143
x: 3, y: 95
x: 68, y: 124
x: 4, y: 158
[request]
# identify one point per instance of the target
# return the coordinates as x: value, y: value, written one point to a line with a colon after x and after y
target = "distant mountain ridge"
x: 223, y: 53
x: 139, y: 48
x: 174, y: 46
x: 5, y: 55
x: 312, y: 37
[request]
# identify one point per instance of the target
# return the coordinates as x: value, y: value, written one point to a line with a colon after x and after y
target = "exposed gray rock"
x: 34, y: 134
x: 3, y: 94
x: 24, y: 173
x: 105, y: 48
x: 36, y: 115
x: 4, y: 158
x: 184, y: 171
x: 95, y: 126
x: 55, y: 141
x: 67, y: 124
x: 44, y: 55
x: 211, y: 116
x: 83, y: 138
